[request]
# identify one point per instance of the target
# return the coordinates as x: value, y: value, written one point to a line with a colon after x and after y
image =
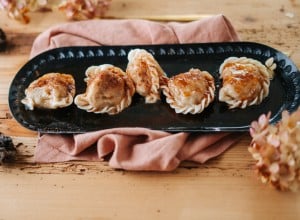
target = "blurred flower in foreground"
x: 73, y: 9
x: 15, y: 9
x: 84, y: 9
x: 276, y: 148
x: 19, y: 9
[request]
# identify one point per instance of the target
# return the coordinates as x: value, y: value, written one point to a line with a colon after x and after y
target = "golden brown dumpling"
x: 190, y: 92
x: 245, y: 81
x: 109, y: 90
x: 50, y: 91
x: 146, y: 74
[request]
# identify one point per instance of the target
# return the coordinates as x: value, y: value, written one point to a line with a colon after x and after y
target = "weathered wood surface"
x: 223, y: 188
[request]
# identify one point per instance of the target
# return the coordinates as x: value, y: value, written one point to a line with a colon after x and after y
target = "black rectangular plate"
x: 284, y: 89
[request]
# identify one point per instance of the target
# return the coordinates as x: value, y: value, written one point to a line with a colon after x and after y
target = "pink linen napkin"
x: 134, y: 32
x: 134, y: 148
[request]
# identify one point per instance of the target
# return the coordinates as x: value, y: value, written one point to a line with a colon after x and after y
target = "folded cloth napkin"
x: 134, y: 148
x: 134, y: 32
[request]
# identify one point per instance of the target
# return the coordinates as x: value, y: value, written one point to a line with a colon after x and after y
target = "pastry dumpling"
x: 190, y: 92
x: 245, y: 81
x: 109, y: 90
x: 50, y: 91
x: 146, y: 73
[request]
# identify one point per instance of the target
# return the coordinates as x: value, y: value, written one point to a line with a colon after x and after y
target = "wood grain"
x: 223, y: 188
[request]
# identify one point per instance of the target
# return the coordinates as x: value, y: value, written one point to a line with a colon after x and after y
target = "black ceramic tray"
x: 284, y: 89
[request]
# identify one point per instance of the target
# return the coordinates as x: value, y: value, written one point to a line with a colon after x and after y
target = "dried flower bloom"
x: 74, y: 9
x: 19, y: 9
x: 276, y: 149
x: 16, y: 9
x: 84, y: 9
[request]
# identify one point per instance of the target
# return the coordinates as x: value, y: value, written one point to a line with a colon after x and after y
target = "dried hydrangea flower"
x: 74, y: 9
x: 19, y: 9
x: 84, y: 9
x: 16, y: 9
x: 276, y: 149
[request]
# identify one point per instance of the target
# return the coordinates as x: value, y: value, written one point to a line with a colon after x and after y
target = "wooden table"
x: 223, y: 188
